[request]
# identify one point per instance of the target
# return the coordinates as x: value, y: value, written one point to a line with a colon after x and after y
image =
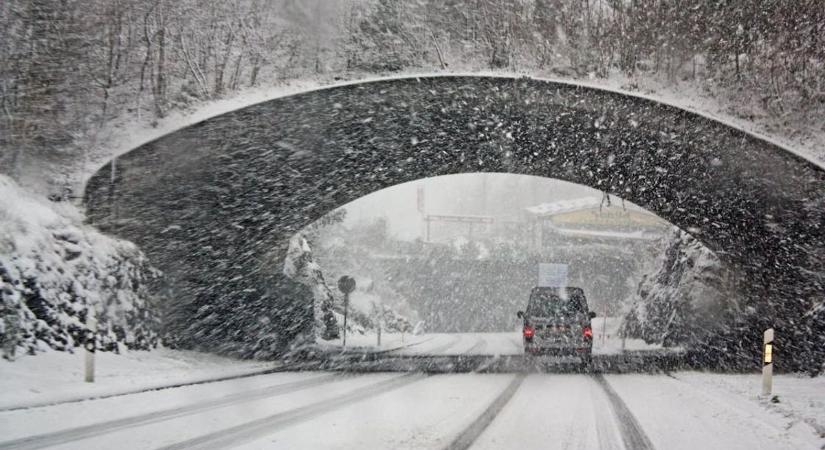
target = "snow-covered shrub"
x: 301, y: 267
x: 688, y: 294
x: 328, y: 307
x: 54, y: 270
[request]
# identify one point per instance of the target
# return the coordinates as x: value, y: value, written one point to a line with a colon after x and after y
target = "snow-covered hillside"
x: 54, y: 270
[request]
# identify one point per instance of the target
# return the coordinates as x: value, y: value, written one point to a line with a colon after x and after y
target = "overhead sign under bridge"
x: 612, y: 217
x: 592, y: 218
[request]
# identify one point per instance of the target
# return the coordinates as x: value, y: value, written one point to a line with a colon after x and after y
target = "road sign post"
x: 346, y: 308
x: 90, y: 345
x: 767, y: 362
x: 346, y: 285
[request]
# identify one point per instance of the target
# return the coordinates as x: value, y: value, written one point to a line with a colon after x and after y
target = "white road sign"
x: 552, y: 275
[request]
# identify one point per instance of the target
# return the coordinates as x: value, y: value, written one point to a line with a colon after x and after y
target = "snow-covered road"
x: 328, y: 409
x: 316, y: 410
x: 606, y: 340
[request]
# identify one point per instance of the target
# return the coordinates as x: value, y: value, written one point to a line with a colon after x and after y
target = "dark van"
x: 557, y: 322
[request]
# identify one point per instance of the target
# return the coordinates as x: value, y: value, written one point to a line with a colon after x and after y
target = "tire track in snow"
x: 88, y: 431
x: 632, y: 434
x: 466, y: 438
x: 608, y: 431
x: 249, y: 431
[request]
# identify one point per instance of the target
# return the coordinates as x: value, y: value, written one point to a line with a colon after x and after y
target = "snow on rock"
x: 686, y: 296
x: 54, y: 270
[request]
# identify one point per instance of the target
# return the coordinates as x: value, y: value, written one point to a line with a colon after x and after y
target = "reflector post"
x: 767, y: 362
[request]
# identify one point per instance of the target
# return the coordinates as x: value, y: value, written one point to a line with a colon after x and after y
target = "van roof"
x: 568, y: 289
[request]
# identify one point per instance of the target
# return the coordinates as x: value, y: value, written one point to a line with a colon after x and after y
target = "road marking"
x: 474, y: 430
x: 88, y: 431
x: 633, y: 436
x: 249, y: 431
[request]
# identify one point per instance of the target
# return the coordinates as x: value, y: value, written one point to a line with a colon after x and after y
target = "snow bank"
x: 799, y: 398
x: 55, y: 377
x: 689, y: 410
x: 54, y: 270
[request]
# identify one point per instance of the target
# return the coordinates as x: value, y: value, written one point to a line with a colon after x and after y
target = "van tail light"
x: 529, y: 331
x: 588, y: 332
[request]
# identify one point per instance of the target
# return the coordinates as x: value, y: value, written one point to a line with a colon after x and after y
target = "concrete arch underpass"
x: 214, y: 204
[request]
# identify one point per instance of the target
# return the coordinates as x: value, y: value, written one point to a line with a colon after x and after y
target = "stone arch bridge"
x: 214, y: 204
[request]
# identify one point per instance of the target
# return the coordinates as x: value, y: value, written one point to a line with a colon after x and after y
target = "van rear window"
x: 550, y: 304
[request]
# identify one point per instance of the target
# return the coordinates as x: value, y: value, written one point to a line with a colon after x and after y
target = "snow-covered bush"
x: 54, y: 270
x: 364, y: 309
x: 687, y: 295
x: 301, y: 267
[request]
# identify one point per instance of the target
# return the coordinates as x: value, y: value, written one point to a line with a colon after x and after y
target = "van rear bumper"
x: 557, y: 351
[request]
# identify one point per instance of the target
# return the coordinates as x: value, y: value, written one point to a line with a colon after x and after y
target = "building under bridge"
x: 591, y: 220
x: 605, y: 243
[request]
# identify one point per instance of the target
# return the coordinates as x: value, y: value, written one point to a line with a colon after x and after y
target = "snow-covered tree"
x: 55, y: 272
x: 301, y: 267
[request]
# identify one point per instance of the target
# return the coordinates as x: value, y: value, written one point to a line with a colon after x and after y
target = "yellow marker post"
x: 767, y: 362
x: 91, y: 336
